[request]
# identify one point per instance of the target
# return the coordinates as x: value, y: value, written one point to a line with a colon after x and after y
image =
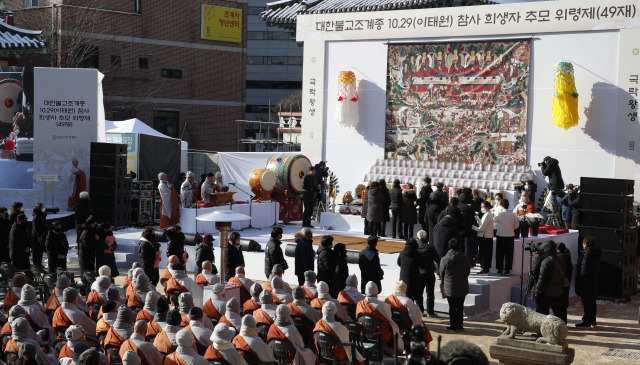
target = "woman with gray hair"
x: 170, y: 211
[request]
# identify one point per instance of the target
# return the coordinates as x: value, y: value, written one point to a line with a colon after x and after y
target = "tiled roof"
x: 283, y: 13
x: 17, y: 39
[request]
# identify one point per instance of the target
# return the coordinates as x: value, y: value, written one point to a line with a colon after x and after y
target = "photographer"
x: 574, y: 203
x: 548, y: 279
x: 563, y: 200
x: 322, y: 172
x: 550, y: 168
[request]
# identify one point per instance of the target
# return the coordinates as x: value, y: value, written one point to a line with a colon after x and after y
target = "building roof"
x: 14, y: 40
x: 283, y: 13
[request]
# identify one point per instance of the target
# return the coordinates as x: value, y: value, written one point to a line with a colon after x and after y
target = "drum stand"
x: 250, y: 208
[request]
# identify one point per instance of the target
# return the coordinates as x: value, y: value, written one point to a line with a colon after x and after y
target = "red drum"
x: 289, y: 171
x: 262, y: 183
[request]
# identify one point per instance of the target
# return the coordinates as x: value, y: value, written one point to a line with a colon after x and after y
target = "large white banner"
x: 66, y: 118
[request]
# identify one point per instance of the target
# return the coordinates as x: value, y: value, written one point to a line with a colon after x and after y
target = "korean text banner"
x: 458, y: 102
x: 221, y: 24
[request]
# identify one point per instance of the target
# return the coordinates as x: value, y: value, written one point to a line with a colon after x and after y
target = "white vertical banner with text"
x: 66, y: 118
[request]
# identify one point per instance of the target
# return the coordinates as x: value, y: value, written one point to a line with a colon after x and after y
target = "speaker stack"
x: 142, y: 202
x: 109, y: 186
x: 606, y: 213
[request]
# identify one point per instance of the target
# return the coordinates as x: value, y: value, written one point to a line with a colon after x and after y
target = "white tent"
x: 136, y: 126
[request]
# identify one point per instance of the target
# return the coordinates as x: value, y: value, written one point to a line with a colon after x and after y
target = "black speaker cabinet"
x: 116, y: 218
x: 117, y: 172
x: 598, y: 185
x: 108, y: 160
x: 108, y: 148
x: 607, y: 203
x: 598, y: 218
x: 617, y: 274
x: 111, y: 202
x: 103, y: 185
x: 612, y: 239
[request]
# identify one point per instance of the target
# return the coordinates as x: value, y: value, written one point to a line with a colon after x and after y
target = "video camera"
x: 531, y: 247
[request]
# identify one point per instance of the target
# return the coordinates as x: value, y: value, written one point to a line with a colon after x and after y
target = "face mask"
x: 498, y: 202
x: 526, y: 187
x: 22, y: 209
x: 43, y: 209
x: 523, y: 200
x: 483, y: 210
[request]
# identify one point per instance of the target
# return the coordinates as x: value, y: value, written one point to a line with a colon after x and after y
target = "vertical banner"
x: 458, y: 102
x: 221, y: 24
x: 131, y: 140
x: 65, y: 123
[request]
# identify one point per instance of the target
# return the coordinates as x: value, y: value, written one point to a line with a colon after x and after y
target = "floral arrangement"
x: 359, y: 189
x: 347, y: 198
x: 533, y: 218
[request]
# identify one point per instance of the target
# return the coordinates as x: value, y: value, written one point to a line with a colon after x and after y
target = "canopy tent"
x: 135, y: 125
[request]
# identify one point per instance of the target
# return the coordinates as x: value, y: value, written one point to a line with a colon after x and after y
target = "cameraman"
x: 550, y: 168
x: 322, y: 172
x: 574, y: 203
x: 548, y: 279
x: 563, y: 200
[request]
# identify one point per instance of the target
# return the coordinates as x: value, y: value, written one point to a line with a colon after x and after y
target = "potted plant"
x: 524, y: 227
x: 533, y: 220
x: 347, y: 198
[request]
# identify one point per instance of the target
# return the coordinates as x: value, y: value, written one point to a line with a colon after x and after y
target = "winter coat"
x: 304, y: 255
x: 386, y: 203
x: 204, y: 252
x: 550, y: 280
x: 83, y: 211
x: 468, y: 212
x: 147, y: 253
x: 443, y: 232
x: 273, y: 255
x: 57, y: 245
x: 458, y: 219
x: 395, y: 194
x: 176, y: 243
x: 340, y: 272
x: 107, y: 258
x: 409, y: 214
x: 454, y: 273
x: 5, y: 229
x: 376, y: 200
x: 410, y: 262
x: 574, y: 202
x: 552, y: 171
x: 19, y: 240
x: 233, y: 259
x: 434, y: 208
x: 567, y: 265
x: 39, y: 229
x: 566, y: 208
x: 424, y: 196
x: 370, y: 269
x: 428, y: 256
x: 588, y: 274
x: 365, y: 203
x: 325, y: 264
x: 87, y: 246
x: 13, y: 217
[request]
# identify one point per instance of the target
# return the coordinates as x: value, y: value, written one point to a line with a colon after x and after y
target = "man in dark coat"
x: 365, y: 208
x: 369, y: 263
x: 5, y: 229
x: 83, y: 212
x: 550, y: 168
x: 204, y: 252
x: 375, y: 216
x: 57, y: 247
x: 20, y: 243
x: 326, y: 264
x: 549, y: 281
x: 38, y: 233
x: 304, y: 253
x: 149, y: 254
x: 435, y: 206
x: 428, y: 256
x: 395, y: 195
x: 386, y: 203
x: 87, y: 246
x: 308, y: 196
x: 587, y: 280
x: 273, y: 252
x: 468, y: 210
x: 409, y: 214
x: 574, y: 203
x: 176, y: 244
x: 443, y: 232
x: 423, y: 198
x: 233, y: 257
x: 409, y: 262
x: 454, y: 273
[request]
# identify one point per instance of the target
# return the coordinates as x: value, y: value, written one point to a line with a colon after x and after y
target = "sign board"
x: 221, y: 24
x: 131, y: 140
x: 47, y: 177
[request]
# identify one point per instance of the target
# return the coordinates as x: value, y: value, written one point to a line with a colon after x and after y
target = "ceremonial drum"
x: 289, y: 171
x: 262, y: 182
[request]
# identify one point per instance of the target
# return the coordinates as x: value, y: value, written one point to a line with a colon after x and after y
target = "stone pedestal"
x: 526, y: 352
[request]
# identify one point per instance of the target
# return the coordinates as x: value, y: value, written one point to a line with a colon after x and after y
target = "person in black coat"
x: 149, y: 254
x: 409, y: 262
x: 82, y: 212
x: 273, y: 252
x: 409, y: 214
x: 574, y: 203
x: 428, y: 257
x: 38, y: 233
x: 395, y: 195
x: 16, y: 209
x: 443, y: 232
x: 423, y: 198
x: 106, y: 251
x: 233, y: 256
x: 587, y: 280
x: 308, y: 196
x: 176, y: 244
x: 5, y: 229
x: 564, y: 256
x: 89, y: 240
x: 304, y: 253
x: 369, y: 263
x: 340, y: 270
x: 325, y: 261
x: 375, y: 215
x: 454, y: 271
x: 468, y: 210
x: 549, y: 281
x: 204, y: 252
x: 435, y: 206
x: 365, y: 208
x: 20, y: 243
x: 550, y: 168
x: 385, y: 207
x: 57, y: 247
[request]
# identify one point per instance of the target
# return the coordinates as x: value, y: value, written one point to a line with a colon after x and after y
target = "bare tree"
x: 292, y: 103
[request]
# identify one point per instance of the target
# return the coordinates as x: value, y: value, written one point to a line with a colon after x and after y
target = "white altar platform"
x: 262, y: 214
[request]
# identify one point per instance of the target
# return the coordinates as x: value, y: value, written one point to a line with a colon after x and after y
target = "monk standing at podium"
x: 170, y: 211
x: 77, y: 181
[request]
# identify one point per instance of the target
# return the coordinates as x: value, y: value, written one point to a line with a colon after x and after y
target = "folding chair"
x: 283, y: 351
x: 324, y: 343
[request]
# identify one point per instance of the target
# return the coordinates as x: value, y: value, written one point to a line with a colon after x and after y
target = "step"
x: 124, y: 260
x: 473, y: 304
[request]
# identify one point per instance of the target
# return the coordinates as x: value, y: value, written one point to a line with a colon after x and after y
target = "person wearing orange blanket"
x: 222, y: 349
x: 524, y: 206
x: 299, y: 306
x: 13, y: 296
x: 185, y: 354
x: 339, y: 332
x: 201, y: 334
x: 278, y: 289
x: 96, y: 298
x: 267, y: 312
x: 36, y: 312
x: 20, y: 337
x: 121, y: 330
x: 141, y: 289
x: 15, y: 313
x: 309, y: 286
x: 68, y: 314
x: 109, y: 315
x: 382, y: 311
x: 148, y: 354
x: 165, y: 340
x: 323, y: 297
x: 244, y: 283
x: 75, y: 336
x: 232, y: 314
x: 283, y: 329
x: 170, y: 211
x: 253, y: 303
x: 182, y: 281
x: 399, y: 301
x: 62, y: 283
x: 215, y: 307
x: 277, y: 270
x: 350, y: 295
x: 185, y: 304
x: 249, y: 341
x: 206, y: 276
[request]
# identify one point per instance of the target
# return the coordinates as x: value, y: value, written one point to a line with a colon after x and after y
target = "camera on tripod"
x: 531, y: 247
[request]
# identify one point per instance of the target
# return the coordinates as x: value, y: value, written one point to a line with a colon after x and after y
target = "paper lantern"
x: 347, y: 106
x: 565, y: 98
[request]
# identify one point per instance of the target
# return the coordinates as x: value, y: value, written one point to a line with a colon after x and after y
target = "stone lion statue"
x: 518, y: 317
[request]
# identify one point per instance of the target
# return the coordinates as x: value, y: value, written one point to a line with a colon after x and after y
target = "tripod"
x: 250, y: 207
x: 526, y: 292
x: 552, y: 219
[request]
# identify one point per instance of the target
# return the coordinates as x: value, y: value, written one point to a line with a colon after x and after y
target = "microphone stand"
x: 250, y: 206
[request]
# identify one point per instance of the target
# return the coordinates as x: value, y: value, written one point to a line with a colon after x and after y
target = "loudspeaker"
x: 110, y: 184
x: 617, y: 274
x: 118, y: 172
x: 108, y: 160
x: 607, y: 203
x: 108, y: 148
x: 606, y: 186
x: 612, y: 239
x: 116, y: 218
x: 111, y: 202
x: 602, y: 219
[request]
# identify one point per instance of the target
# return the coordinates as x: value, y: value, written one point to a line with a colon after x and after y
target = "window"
x: 283, y: 36
x: 87, y: 56
x: 166, y: 122
x: 171, y: 73
x: 255, y: 60
x: 30, y: 3
x: 257, y: 84
x: 143, y: 62
x: 116, y: 61
x: 274, y: 60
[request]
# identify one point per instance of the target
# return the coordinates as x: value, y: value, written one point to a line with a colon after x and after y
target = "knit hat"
x: 218, y: 289
x: 16, y: 311
x: 141, y: 281
x: 19, y: 325
x: 352, y: 280
x: 208, y: 238
x: 150, y: 302
x: 161, y: 176
x: 190, y: 174
x: 74, y: 333
x: 104, y: 270
x: 19, y: 280
x: 222, y: 333
x: 249, y: 321
x: 69, y: 295
x: 322, y: 288
x: 233, y: 305
x: 329, y: 310
x: 131, y: 358
x: 27, y: 349
x: 108, y: 306
x: 299, y: 293
x: 63, y: 282
x: 113, y: 294
x: 266, y: 297
x: 162, y: 306
x: 125, y: 314
x: 78, y: 349
x: 103, y: 282
x: 218, y: 175
x: 184, y: 338
x: 277, y: 282
x: 256, y: 289
x: 283, y: 315
x: 137, y: 271
x: 28, y: 292
x: 196, y: 313
x: 174, y: 318
x: 185, y: 302
x: 371, y: 290
x: 400, y: 286
x: 277, y: 269
x: 310, y: 276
